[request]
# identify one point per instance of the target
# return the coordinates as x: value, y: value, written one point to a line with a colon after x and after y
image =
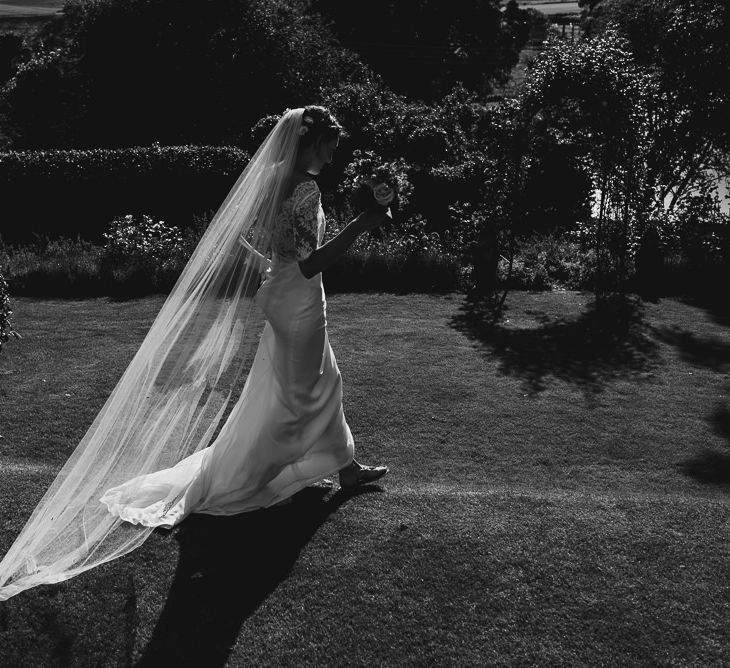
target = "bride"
x: 291, y: 431
x: 151, y: 456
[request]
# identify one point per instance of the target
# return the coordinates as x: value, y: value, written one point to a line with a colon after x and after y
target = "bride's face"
x: 321, y: 153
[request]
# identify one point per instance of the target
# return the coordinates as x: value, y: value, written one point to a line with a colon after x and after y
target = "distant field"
x: 22, y: 8
x: 551, y: 8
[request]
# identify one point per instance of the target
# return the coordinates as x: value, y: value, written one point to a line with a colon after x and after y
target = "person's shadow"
x: 228, y: 566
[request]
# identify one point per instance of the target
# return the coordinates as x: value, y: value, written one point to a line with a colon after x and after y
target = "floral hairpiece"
x: 304, y: 129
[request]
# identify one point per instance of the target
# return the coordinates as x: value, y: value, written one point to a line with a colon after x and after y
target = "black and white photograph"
x: 388, y: 333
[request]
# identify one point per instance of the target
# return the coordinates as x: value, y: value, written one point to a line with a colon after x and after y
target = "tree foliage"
x: 597, y: 85
x: 176, y: 71
x: 636, y: 112
x: 422, y: 48
x: 685, y: 45
x: 6, y: 326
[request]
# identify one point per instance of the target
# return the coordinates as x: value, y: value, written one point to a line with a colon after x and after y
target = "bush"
x: 696, y: 231
x: 6, y: 327
x: 172, y: 181
x: 59, y: 267
x: 405, y: 258
x: 154, y: 244
x: 546, y: 262
x: 142, y: 256
x: 139, y: 257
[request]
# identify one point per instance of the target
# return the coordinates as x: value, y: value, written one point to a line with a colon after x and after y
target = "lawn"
x: 558, y: 495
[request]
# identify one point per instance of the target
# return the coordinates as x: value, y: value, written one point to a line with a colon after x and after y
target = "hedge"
x: 58, y: 193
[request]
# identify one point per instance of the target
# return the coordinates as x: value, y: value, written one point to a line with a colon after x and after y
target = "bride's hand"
x: 371, y: 219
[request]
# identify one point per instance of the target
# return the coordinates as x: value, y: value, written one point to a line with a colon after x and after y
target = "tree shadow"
x: 720, y: 420
x: 714, y: 303
x: 228, y: 566
x: 712, y: 465
x: 608, y: 340
x: 708, y: 352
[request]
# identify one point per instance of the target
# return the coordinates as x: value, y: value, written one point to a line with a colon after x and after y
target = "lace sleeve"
x: 305, y: 222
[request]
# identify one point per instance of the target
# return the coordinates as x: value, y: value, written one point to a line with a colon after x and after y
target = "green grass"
x: 558, y: 495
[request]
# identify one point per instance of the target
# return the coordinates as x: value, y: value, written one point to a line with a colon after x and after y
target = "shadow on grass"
x: 714, y: 303
x: 607, y: 340
x: 720, y: 419
x: 708, y: 352
x: 712, y: 466
x: 228, y: 566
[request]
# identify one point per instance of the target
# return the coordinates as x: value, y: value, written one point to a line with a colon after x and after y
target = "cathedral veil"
x: 176, y: 390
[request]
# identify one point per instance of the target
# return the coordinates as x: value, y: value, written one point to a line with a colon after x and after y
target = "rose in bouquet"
x: 373, y: 193
x: 372, y: 183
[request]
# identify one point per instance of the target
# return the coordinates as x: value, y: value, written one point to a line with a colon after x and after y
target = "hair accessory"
x: 308, y: 119
x: 303, y: 130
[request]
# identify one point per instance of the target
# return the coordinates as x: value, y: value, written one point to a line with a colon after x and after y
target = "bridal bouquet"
x: 372, y: 183
x: 373, y: 192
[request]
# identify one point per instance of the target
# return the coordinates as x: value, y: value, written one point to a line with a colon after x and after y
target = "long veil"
x: 174, y: 393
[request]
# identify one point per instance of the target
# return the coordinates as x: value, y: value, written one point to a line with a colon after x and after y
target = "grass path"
x: 558, y: 494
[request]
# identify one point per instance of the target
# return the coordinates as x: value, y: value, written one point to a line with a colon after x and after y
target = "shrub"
x: 143, y: 239
x: 6, y: 327
x: 172, y: 181
x: 699, y: 231
x: 143, y: 255
x: 139, y: 257
x: 546, y: 262
x: 406, y: 258
x: 60, y: 267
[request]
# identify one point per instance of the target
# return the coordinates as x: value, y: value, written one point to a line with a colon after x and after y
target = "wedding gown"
x: 287, y: 428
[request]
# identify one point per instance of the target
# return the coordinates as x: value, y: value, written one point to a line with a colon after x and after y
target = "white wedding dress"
x: 288, y: 428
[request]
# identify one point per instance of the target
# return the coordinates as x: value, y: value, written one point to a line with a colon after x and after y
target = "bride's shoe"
x: 358, y: 474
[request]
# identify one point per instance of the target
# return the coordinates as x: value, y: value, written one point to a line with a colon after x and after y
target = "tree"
x: 422, y: 48
x: 11, y: 48
x: 134, y: 71
x: 597, y: 85
x: 684, y: 44
x: 589, y: 4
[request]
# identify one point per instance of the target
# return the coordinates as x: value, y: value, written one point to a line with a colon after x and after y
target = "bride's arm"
x: 325, y: 255
x: 259, y: 261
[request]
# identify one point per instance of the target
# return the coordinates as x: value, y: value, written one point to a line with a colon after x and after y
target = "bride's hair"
x: 319, y: 122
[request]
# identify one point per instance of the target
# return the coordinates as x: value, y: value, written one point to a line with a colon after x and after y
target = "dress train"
x: 286, y: 431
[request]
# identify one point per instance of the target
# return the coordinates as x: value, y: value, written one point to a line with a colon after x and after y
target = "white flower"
x: 383, y: 194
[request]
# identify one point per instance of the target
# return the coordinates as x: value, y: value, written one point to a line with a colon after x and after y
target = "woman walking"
x: 150, y: 457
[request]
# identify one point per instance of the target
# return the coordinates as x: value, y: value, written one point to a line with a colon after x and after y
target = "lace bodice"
x: 299, y: 225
